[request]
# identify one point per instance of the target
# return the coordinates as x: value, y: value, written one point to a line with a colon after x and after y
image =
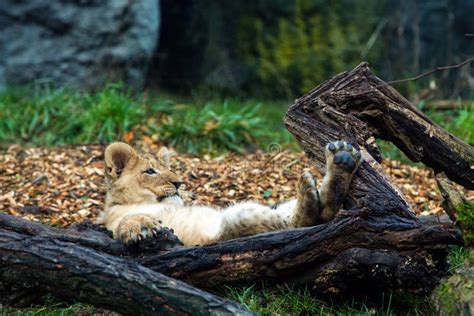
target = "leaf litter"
x: 64, y: 185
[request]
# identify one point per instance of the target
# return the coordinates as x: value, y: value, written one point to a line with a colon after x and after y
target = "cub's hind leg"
x: 251, y: 218
x: 342, y: 160
x: 308, y: 206
x: 311, y: 207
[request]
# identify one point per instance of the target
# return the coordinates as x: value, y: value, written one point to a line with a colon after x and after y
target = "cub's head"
x: 134, y: 178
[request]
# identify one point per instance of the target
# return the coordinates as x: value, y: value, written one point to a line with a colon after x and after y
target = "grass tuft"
x: 457, y: 257
x: 289, y: 301
x: 114, y: 114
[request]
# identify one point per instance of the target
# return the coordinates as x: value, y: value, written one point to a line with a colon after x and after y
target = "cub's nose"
x: 177, y: 184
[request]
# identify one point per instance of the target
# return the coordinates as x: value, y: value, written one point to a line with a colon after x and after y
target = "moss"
x: 455, y: 296
x: 465, y: 217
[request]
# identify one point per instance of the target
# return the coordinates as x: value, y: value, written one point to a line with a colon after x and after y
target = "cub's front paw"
x: 137, y: 227
x: 342, y: 156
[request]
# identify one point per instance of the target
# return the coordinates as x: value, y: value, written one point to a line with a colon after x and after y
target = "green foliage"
x: 38, y: 119
x: 199, y: 125
x: 457, y: 257
x: 51, y: 308
x: 465, y: 217
x: 292, y: 53
x: 443, y: 294
x: 212, y: 128
x: 64, y: 117
x: 288, y: 301
x: 109, y: 114
x: 221, y: 126
x: 458, y: 122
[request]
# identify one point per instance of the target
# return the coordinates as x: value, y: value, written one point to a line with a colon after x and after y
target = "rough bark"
x: 458, y: 208
x: 452, y: 199
x: 358, y: 106
x: 355, y: 253
x: 32, y: 265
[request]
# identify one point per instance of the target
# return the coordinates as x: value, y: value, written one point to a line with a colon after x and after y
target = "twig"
x: 467, y: 61
x: 373, y: 38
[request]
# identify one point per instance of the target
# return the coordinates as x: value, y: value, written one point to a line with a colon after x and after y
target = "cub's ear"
x: 164, y: 156
x: 117, y: 157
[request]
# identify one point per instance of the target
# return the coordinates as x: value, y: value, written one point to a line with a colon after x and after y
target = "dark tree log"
x: 355, y: 254
x: 71, y: 272
x: 93, y: 236
x: 337, y: 257
x: 452, y: 199
x: 358, y: 106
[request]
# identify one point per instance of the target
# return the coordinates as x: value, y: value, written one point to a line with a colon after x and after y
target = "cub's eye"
x: 150, y: 171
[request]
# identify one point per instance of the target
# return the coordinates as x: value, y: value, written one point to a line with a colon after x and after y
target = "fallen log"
x: 358, y: 106
x: 380, y: 255
x: 35, y: 265
x: 352, y: 255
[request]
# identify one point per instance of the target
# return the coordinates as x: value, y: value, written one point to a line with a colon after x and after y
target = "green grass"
x: 51, y: 308
x: 278, y: 301
x: 219, y: 126
x: 288, y: 301
x: 457, y: 257
x: 459, y: 122
x: 64, y: 117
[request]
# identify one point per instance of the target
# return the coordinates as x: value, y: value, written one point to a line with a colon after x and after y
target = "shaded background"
x: 261, y: 48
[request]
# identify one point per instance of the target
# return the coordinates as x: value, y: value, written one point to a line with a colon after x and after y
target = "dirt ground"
x: 63, y: 185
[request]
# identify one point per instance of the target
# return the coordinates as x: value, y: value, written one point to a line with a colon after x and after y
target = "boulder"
x: 77, y: 43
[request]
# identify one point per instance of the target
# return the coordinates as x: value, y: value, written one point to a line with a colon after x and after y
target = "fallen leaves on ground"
x: 63, y: 185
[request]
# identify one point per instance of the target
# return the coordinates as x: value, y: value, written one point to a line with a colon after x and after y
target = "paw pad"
x: 343, y: 155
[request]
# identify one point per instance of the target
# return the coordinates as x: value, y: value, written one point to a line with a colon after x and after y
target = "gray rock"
x: 77, y: 43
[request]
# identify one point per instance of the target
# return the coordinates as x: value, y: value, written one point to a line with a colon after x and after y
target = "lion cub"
x: 143, y: 194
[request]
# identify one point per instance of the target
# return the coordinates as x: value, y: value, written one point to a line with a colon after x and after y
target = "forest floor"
x: 64, y: 185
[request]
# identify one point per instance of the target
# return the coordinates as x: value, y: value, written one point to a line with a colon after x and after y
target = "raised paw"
x: 137, y: 227
x: 342, y: 156
x: 306, y: 182
x: 307, y: 191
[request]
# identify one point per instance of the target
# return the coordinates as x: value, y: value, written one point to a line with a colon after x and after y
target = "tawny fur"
x: 143, y: 194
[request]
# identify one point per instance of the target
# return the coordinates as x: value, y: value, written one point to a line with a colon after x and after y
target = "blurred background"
x: 153, y: 58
